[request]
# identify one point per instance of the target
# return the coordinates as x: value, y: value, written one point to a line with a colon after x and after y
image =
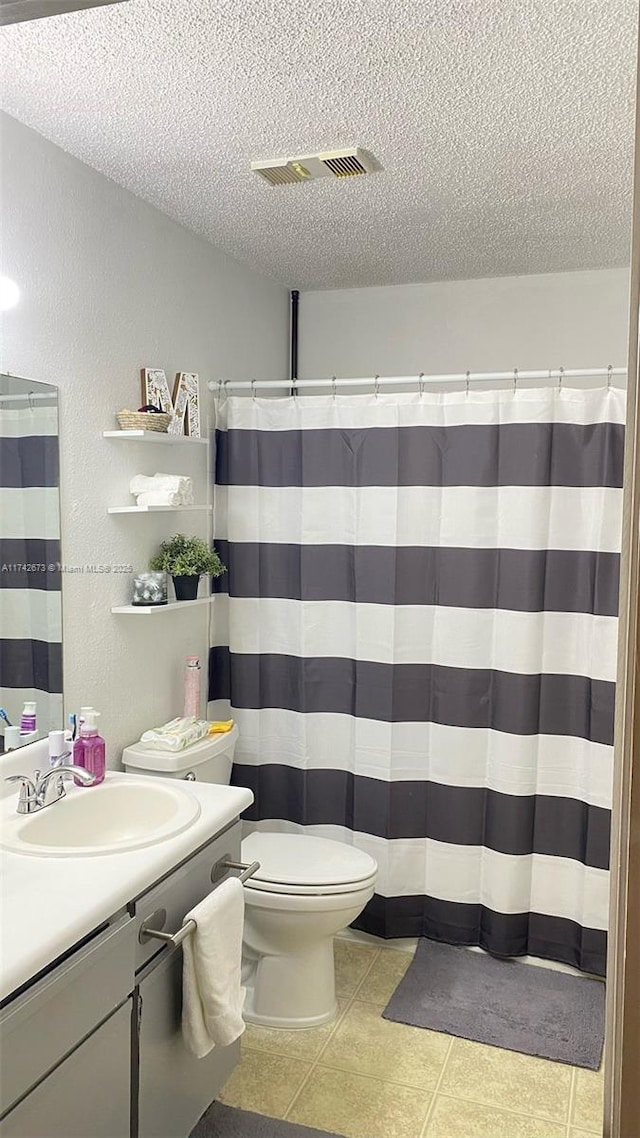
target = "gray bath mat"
x: 502, y: 1002
x: 226, y: 1122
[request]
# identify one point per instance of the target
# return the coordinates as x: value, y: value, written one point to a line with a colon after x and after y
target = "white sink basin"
x: 123, y: 813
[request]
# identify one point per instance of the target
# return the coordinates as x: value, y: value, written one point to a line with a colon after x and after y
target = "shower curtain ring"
x: 377, y: 385
x: 421, y: 383
x: 609, y: 375
x: 333, y: 386
x: 515, y: 380
x: 467, y: 381
x: 560, y: 378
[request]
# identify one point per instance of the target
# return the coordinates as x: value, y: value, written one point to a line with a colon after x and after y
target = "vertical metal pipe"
x: 293, y: 354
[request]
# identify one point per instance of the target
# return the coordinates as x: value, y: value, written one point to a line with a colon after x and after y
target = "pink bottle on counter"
x: 192, y: 687
x: 92, y: 753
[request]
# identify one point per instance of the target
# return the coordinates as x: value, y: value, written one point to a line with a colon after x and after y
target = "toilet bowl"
x: 306, y: 890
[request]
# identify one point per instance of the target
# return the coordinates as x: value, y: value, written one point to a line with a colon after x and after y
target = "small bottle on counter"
x: 28, y: 721
x: 92, y: 753
x: 59, y: 748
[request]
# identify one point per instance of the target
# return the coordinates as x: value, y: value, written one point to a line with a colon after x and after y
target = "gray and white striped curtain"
x: 417, y: 637
x: 30, y: 583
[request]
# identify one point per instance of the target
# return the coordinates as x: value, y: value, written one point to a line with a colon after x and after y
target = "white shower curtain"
x: 417, y: 637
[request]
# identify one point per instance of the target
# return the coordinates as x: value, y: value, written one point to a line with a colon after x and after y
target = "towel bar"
x: 247, y: 869
x: 148, y: 932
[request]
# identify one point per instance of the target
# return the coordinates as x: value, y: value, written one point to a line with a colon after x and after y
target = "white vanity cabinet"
x: 54, y: 1035
x: 93, y: 1048
x: 171, y: 1087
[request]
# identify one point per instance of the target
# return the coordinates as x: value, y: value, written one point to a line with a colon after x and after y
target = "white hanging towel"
x: 212, y: 994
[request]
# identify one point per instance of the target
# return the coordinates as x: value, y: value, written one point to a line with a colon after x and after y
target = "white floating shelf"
x: 153, y: 509
x: 153, y: 437
x: 151, y: 610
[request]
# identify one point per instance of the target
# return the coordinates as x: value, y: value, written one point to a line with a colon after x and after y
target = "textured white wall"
x: 494, y: 324
x: 110, y: 285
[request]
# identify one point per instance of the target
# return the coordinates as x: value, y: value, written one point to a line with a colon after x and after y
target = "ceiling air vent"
x: 345, y: 163
x: 279, y: 172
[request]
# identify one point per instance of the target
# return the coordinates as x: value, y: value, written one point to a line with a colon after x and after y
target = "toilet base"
x: 282, y: 1022
x: 292, y: 990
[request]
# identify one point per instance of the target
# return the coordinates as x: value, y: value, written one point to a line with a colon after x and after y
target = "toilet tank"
x: 209, y: 760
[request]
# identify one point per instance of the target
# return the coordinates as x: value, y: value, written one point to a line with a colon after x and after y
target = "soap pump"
x: 92, y: 754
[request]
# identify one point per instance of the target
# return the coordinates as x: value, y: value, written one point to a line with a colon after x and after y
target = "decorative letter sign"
x: 183, y: 405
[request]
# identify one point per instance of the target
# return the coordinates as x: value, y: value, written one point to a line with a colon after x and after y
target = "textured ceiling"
x: 504, y: 127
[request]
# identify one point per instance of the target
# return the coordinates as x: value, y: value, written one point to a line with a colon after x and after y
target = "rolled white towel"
x: 183, y: 479
x: 175, y: 483
x: 159, y: 498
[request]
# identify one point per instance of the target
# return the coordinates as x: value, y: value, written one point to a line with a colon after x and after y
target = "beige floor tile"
x: 264, y: 1083
x: 588, y: 1100
x: 384, y: 977
x: 366, y: 1043
x: 507, y: 1079
x: 351, y: 961
x: 452, y: 1118
x: 359, y: 1107
x: 299, y: 1044
x: 573, y: 1133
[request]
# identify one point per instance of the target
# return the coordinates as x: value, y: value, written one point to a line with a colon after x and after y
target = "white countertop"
x: 50, y: 903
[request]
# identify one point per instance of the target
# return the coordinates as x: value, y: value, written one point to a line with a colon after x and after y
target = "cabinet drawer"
x: 87, y: 1096
x: 182, y: 889
x: 45, y: 1023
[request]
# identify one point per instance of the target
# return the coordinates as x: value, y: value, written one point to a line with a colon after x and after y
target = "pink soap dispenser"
x: 93, y: 755
x: 78, y: 746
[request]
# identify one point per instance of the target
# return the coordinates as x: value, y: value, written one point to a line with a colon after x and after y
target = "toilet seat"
x: 301, y: 864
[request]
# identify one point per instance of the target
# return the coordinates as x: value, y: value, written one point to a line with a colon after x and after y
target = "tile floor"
x: 364, y: 1077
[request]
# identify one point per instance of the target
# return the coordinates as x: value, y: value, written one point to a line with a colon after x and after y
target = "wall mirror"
x: 30, y: 572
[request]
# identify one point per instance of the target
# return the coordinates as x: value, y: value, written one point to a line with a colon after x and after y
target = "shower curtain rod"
x: 515, y: 376
x: 29, y: 397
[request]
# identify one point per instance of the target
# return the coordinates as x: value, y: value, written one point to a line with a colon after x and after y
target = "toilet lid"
x: 301, y: 861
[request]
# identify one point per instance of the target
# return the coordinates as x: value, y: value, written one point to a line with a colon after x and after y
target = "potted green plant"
x: 187, y: 559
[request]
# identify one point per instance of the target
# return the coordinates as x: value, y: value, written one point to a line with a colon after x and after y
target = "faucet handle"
x: 27, y: 795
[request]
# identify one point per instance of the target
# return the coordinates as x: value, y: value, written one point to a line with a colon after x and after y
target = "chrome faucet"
x: 44, y: 789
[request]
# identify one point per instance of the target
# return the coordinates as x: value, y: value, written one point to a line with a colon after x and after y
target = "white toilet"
x: 306, y: 890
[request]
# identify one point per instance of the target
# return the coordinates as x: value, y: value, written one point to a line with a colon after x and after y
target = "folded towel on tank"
x: 177, y: 734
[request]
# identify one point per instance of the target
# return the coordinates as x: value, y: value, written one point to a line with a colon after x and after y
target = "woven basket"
x: 143, y: 421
